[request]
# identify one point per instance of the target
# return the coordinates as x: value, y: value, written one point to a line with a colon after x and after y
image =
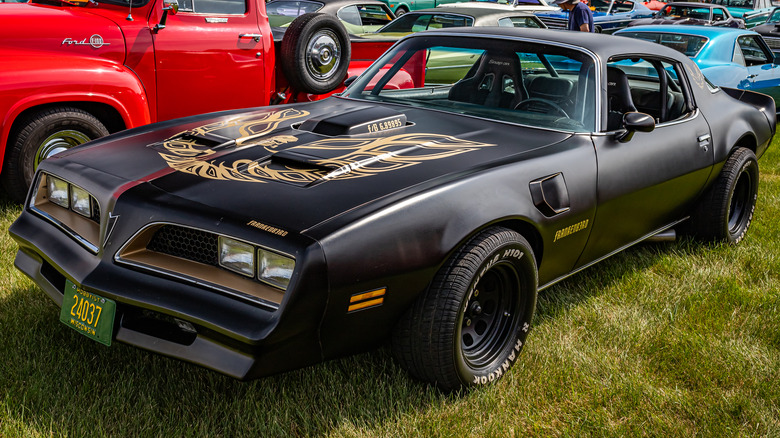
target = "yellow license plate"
x: 88, y: 313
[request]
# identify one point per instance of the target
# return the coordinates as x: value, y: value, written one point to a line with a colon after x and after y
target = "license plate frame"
x: 88, y: 313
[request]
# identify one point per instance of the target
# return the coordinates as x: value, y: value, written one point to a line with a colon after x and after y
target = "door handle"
x: 704, y: 141
x: 254, y: 36
x: 752, y: 76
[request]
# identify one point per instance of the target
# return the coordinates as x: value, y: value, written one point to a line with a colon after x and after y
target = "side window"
x: 717, y: 14
x: 373, y: 17
x: 350, y: 15
x: 217, y: 7
x: 753, y: 51
x: 650, y: 86
x: 622, y: 6
x: 518, y: 22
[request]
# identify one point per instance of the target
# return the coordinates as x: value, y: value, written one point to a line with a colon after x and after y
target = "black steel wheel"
x: 41, y: 135
x: 469, y: 327
x: 726, y: 209
x: 315, y: 53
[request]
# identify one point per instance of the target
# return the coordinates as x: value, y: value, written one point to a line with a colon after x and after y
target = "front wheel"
x: 468, y: 328
x: 41, y: 135
x: 400, y: 11
x: 726, y: 209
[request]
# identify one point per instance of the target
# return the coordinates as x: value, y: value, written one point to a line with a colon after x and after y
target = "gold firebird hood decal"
x: 331, y: 158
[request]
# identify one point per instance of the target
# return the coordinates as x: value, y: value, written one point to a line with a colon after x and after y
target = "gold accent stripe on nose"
x: 365, y: 304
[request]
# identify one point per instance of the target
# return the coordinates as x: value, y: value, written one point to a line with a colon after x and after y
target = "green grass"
x: 677, y: 339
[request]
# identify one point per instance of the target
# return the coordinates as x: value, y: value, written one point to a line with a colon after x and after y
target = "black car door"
x: 651, y: 180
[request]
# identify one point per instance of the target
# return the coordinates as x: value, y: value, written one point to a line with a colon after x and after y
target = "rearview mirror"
x: 635, y: 122
x: 169, y: 6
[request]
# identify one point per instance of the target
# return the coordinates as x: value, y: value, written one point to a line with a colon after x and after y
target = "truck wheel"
x: 400, y: 11
x: 468, y: 328
x: 725, y: 211
x: 315, y: 53
x: 41, y: 135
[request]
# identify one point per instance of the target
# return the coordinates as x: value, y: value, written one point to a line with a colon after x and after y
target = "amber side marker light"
x: 366, y: 299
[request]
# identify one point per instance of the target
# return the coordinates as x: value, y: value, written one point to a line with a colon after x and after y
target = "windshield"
x: 413, y: 22
x: 774, y: 17
x: 532, y: 84
x: 689, y: 45
x: 283, y: 12
x: 600, y: 5
x: 676, y: 11
x: 734, y: 3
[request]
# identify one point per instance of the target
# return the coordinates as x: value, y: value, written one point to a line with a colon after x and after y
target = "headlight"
x: 80, y: 201
x: 275, y: 268
x: 237, y: 256
x: 58, y: 191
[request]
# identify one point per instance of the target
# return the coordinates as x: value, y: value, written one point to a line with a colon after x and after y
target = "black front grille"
x: 186, y: 243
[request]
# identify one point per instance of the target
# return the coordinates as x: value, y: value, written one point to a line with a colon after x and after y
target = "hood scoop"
x: 364, y: 120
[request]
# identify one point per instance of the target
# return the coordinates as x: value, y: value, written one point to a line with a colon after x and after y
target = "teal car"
x: 753, y: 12
x: 728, y: 57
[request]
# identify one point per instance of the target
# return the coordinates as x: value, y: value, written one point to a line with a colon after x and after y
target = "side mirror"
x: 169, y: 6
x: 635, y: 122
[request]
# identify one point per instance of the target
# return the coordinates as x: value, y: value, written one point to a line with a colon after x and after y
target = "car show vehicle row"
x: 427, y: 204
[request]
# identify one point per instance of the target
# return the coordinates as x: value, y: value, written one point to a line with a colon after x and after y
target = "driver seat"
x: 497, y: 82
x: 619, y: 99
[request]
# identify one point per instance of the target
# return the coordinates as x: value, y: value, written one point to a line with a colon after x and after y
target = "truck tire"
x: 726, y: 209
x: 41, y: 135
x: 400, y: 11
x: 468, y: 328
x: 315, y: 53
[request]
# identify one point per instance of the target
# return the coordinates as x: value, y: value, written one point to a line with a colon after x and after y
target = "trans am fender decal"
x: 321, y: 160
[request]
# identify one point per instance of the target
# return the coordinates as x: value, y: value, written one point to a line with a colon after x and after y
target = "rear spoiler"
x: 761, y: 101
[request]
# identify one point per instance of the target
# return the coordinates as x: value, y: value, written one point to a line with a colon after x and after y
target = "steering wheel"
x: 528, y: 105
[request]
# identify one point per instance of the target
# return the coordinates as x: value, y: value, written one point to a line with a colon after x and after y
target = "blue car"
x: 728, y: 57
x: 608, y: 15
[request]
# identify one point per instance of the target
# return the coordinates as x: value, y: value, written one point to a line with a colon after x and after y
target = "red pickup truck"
x: 74, y: 71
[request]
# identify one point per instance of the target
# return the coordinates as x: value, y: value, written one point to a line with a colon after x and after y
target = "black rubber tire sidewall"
x: 710, y: 220
x: 427, y: 340
x: 18, y: 168
x: 293, y: 53
x: 519, y: 256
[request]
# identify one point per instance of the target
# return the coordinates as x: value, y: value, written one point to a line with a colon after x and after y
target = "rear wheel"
x: 726, y: 209
x: 41, y: 135
x: 468, y: 328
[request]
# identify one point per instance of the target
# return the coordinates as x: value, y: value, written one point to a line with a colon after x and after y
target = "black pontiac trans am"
x: 463, y: 172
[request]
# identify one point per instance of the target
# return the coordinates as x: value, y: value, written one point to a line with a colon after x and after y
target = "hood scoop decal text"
x: 364, y: 120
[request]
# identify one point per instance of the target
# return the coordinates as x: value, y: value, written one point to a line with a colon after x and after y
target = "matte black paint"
x: 389, y: 230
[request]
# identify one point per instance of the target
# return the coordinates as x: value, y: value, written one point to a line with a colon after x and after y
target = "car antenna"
x: 130, y: 11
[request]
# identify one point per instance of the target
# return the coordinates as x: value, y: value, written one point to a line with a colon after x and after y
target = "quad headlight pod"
x: 237, y: 256
x: 246, y: 259
x: 274, y: 268
x: 70, y: 196
x: 58, y: 191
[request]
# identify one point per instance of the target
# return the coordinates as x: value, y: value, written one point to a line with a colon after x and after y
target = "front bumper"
x: 235, y: 337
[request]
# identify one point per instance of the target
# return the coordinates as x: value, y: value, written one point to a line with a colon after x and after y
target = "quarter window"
x: 753, y: 51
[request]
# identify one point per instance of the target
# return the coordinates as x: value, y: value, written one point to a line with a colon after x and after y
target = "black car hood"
x: 298, y: 166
